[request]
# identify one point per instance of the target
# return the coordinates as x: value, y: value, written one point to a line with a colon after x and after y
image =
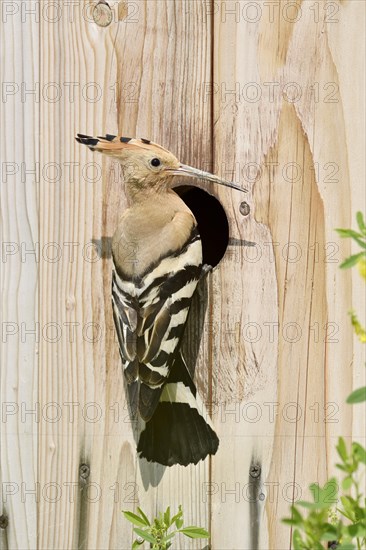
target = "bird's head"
x: 147, y: 165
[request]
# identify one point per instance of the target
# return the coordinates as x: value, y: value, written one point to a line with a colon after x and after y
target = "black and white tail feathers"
x: 178, y: 432
x: 150, y: 310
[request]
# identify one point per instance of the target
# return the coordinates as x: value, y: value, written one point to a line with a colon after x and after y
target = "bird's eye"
x: 155, y: 162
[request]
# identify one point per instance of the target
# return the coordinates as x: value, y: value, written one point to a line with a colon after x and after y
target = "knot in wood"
x: 4, y: 521
x: 102, y: 14
x: 244, y: 208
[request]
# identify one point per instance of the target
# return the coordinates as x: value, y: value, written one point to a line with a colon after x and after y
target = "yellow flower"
x: 362, y: 267
x: 359, y: 330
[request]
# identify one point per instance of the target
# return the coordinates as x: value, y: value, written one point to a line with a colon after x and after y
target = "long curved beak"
x: 188, y: 171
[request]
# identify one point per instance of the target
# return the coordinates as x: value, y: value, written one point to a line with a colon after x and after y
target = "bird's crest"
x: 115, y: 144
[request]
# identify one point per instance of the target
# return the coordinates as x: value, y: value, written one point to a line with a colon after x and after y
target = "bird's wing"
x: 150, y: 317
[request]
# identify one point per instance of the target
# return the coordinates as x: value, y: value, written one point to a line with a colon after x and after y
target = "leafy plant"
x: 324, y: 520
x: 359, y: 259
x: 317, y: 525
x: 360, y: 238
x: 157, y: 533
x: 319, y: 522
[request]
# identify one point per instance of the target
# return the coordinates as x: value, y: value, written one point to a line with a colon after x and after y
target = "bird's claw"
x: 206, y: 268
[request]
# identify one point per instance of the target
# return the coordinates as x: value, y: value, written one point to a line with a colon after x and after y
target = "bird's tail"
x: 178, y: 432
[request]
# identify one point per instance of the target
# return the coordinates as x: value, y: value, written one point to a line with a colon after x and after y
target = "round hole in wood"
x: 102, y: 14
x: 212, y: 222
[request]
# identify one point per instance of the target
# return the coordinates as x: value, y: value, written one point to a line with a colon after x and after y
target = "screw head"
x: 102, y: 14
x: 244, y: 208
x: 4, y: 521
x: 261, y: 496
x: 255, y: 471
x: 84, y: 471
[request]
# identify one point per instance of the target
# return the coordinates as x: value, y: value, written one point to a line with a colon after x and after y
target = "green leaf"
x: 359, y: 452
x: 178, y: 523
x: 195, y: 532
x: 297, y: 540
x: 136, y: 520
x: 296, y: 517
x: 342, y: 449
x: 346, y: 546
x: 352, y: 260
x: 144, y: 517
x: 348, y: 505
x: 357, y: 396
x: 358, y: 237
x: 324, y: 503
x: 290, y: 521
x: 144, y: 535
x: 296, y: 514
x: 360, y: 243
x: 328, y: 535
x: 315, y: 490
x: 167, y: 517
x: 324, y: 497
x: 345, y: 514
x: 309, y: 505
x: 137, y: 544
x: 178, y: 515
x: 361, y: 222
x: 347, y: 482
x: 343, y: 232
x: 356, y: 530
x: 329, y: 532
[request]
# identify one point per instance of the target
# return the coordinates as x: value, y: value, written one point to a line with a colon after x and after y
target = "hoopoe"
x: 151, y: 297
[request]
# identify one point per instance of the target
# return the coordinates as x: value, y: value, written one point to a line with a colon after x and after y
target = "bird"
x: 157, y: 264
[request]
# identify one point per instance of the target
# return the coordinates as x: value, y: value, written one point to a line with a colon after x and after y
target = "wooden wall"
x: 268, y: 93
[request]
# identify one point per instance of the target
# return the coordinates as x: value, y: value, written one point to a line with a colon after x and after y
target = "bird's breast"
x: 141, y: 242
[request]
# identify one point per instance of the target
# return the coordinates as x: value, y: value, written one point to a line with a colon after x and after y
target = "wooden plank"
x: 245, y: 301
x: 158, y: 102
x: 298, y: 139
x: 296, y: 216
x: 161, y: 104
x: 352, y: 107
x: 323, y: 121
x: 76, y: 57
x: 19, y: 274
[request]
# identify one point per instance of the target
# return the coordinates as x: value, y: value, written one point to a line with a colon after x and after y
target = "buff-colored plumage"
x: 148, y: 229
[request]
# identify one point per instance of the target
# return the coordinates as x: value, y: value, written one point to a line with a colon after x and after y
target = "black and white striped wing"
x: 126, y: 320
x: 150, y: 318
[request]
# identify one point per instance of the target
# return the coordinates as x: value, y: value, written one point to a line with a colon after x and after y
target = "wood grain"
x: 312, y: 292
x: 19, y: 277
x: 167, y: 38
x: 262, y: 96
x: 245, y: 306
x: 139, y: 105
x: 73, y: 365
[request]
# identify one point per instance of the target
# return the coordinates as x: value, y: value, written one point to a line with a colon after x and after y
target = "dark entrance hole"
x: 212, y: 222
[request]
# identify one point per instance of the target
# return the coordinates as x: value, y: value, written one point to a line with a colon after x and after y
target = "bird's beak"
x: 188, y: 171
